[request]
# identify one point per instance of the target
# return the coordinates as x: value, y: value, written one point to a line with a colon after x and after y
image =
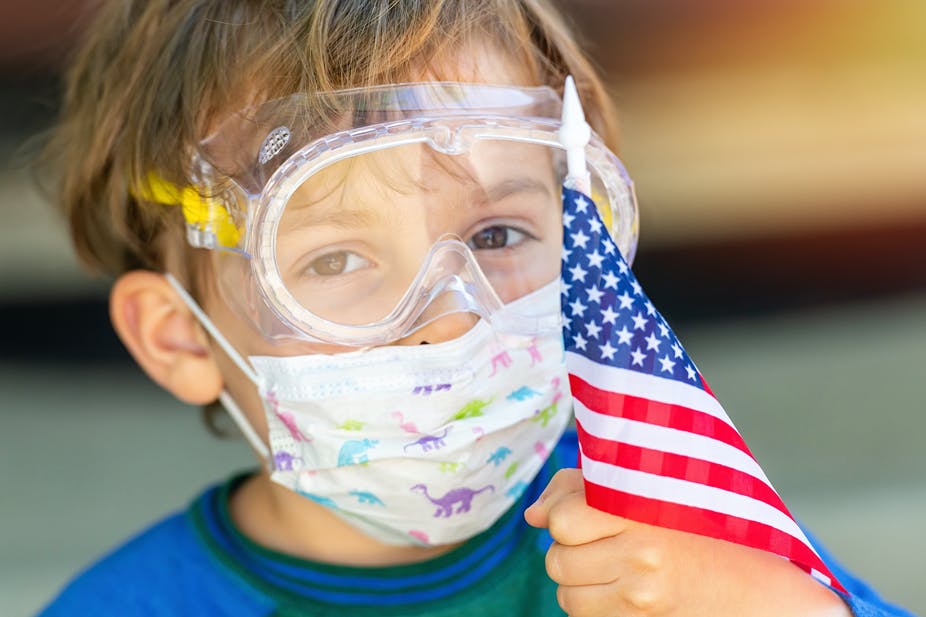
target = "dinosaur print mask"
x: 422, y: 444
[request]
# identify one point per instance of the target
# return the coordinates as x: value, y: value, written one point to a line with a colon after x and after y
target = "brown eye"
x: 495, y: 237
x: 330, y: 264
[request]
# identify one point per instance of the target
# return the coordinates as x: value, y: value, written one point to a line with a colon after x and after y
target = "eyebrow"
x: 512, y: 186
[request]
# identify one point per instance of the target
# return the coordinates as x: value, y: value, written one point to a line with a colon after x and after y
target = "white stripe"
x: 654, y: 388
x: 670, y: 440
x: 689, y: 494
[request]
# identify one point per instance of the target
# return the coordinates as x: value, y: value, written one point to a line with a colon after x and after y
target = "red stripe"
x: 630, y: 407
x: 706, y: 523
x: 678, y: 466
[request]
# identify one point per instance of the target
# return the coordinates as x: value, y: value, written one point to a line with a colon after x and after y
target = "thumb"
x: 565, y: 482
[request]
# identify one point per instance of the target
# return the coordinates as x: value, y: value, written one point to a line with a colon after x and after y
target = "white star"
x: 564, y: 287
x: 637, y: 290
x: 594, y: 294
x: 677, y: 349
x: 595, y: 259
x: 565, y: 253
x: 691, y: 372
x: 579, y: 341
x: 622, y: 266
x: 663, y: 330
x: 667, y: 365
x: 652, y: 342
x: 578, y: 308
x: 568, y: 219
x: 650, y: 309
x: 592, y: 329
x: 623, y: 336
x: 626, y: 300
x: 638, y: 357
x: 581, y: 204
x: 579, y: 238
x: 595, y: 224
x: 609, y: 247
x: 607, y: 352
x: 578, y: 274
x: 610, y: 280
x: 639, y: 321
x: 609, y: 316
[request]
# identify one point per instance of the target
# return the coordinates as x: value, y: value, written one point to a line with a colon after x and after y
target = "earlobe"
x: 163, y: 336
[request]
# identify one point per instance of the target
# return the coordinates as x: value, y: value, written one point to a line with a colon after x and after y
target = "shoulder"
x: 164, y: 570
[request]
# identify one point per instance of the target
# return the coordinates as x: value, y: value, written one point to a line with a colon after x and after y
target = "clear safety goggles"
x: 358, y: 217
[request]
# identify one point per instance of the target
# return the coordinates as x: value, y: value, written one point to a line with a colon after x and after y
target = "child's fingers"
x: 595, y: 563
x: 563, y: 510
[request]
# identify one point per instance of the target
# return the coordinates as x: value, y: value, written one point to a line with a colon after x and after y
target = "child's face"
x: 353, y: 238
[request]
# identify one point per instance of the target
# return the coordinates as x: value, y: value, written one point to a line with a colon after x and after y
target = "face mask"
x: 426, y: 444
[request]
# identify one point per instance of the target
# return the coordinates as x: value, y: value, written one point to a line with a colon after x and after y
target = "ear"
x: 164, y: 337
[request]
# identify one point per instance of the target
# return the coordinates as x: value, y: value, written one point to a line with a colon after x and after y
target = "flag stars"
x: 580, y: 239
x: 568, y: 219
x: 637, y: 290
x: 610, y: 280
x: 609, y: 316
x: 578, y: 309
x: 664, y: 330
x: 622, y: 266
x: 652, y: 342
x: 578, y: 273
x: 637, y: 357
x: 650, y: 309
x: 691, y: 372
x: 626, y: 300
x: 580, y: 342
x: 594, y: 294
x: 592, y: 329
x: 565, y: 253
x: 607, y: 352
x: 581, y: 204
x: 624, y: 336
x: 595, y: 259
x: 595, y: 224
x: 667, y: 364
x: 676, y: 350
x: 609, y: 247
x: 639, y: 321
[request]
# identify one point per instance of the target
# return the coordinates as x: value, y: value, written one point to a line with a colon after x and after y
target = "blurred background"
x: 779, y: 150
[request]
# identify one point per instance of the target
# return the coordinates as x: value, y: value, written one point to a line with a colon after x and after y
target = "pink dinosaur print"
x: 541, y: 449
x: 408, y: 427
x: 534, y: 353
x: 291, y: 426
x: 502, y: 359
x: 478, y: 430
x: 420, y: 536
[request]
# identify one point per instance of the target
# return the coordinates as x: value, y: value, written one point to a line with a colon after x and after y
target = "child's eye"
x: 496, y: 237
x: 337, y: 262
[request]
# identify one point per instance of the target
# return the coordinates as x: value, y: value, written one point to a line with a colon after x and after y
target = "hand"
x: 606, y: 565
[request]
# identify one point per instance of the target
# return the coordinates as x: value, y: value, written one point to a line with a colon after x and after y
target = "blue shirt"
x: 196, y: 562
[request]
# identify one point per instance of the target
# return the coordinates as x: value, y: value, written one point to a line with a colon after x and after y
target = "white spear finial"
x: 574, y: 135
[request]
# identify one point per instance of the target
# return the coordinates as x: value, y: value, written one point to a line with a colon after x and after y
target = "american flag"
x: 655, y: 445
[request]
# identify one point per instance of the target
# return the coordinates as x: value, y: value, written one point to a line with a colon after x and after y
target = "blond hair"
x: 150, y: 75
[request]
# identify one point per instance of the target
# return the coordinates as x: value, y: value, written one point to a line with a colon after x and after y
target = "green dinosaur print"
x: 510, y: 471
x: 472, y: 409
x: 450, y: 467
x: 350, y: 425
x: 543, y: 416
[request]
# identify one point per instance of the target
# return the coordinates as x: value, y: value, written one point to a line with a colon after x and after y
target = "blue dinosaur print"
x: 367, y: 497
x: 354, y: 451
x: 429, y: 442
x: 522, y: 394
x: 517, y: 489
x: 498, y: 456
x: 461, y: 497
x: 325, y: 501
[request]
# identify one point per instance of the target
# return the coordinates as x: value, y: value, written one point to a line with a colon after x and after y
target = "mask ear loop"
x: 230, y: 405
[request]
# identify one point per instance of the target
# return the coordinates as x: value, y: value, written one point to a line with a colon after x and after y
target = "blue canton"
x: 606, y: 316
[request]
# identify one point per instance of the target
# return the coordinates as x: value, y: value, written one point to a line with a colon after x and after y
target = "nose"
x: 442, y: 329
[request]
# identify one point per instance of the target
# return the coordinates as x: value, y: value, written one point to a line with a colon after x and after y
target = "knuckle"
x: 645, y: 598
x: 650, y: 558
x: 554, y: 563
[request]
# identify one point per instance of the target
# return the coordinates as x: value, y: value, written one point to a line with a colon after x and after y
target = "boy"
x: 358, y: 207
